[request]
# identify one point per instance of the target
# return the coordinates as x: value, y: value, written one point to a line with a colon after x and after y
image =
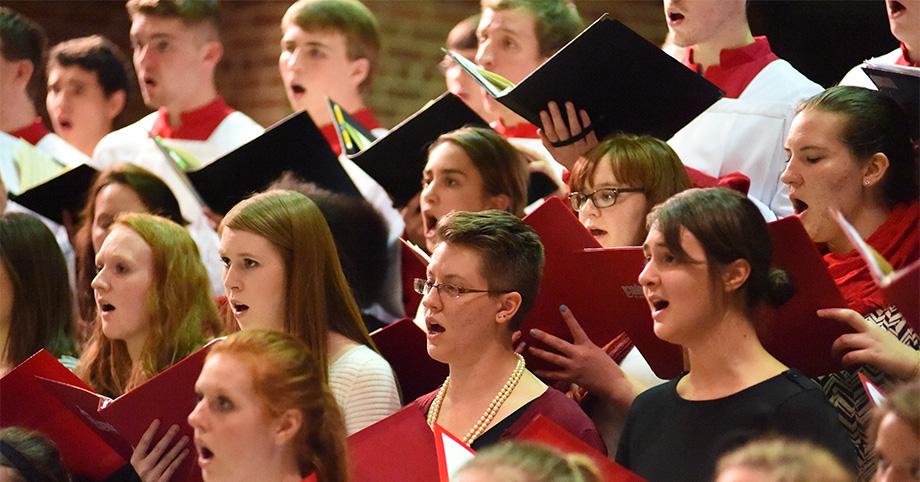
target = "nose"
x: 429, y: 195
x: 588, y: 210
x: 790, y: 174
x: 293, y: 60
x: 142, y: 55
x: 648, y: 275
x: 431, y: 300
x: 484, y: 54
x: 99, y: 282
x: 231, y: 280
x: 196, y: 418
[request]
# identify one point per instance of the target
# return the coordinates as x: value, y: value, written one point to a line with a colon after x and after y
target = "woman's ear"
x: 875, y: 169
x: 734, y: 275
x: 287, y: 426
x: 509, y: 304
x: 501, y: 202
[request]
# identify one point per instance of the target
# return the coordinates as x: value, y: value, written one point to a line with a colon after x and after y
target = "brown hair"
x: 782, y: 460
x: 873, y: 123
x: 31, y: 455
x: 23, y: 39
x: 904, y: 403
x: 179, y: 303
x: 348, y: 17
x: 640, y: 161
x: 155, y: 195
x: 510, y: 251
x: 191, y: 12
x: 729, y: 227
x: 95, y: 54
x: 42, y: 309
x: 285, y: 375
x: 556, y: 21
x: 503, y: 169
x: 318, y: 297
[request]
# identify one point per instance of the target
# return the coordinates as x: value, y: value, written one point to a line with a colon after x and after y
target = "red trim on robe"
x: 737, y: 67
x: 197, y: 125
x: 364, y: 116
x: 33, y: 132
x: 904, y: 58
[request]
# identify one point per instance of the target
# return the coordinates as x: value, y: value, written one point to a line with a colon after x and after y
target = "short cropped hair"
x: 557, y: 21
x: 510, y: 251
x: 95, y: 54
x: 520, y: 461
x: 23, y: 39
x: 636, y: 160
x: 503, y: 169
x: 191, y: 12
x: 348, y: 17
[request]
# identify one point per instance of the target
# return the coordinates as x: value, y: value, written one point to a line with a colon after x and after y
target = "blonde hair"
x: 528, y: 462
x: 783, y: 460
x: 285, y: 376
x: 318, y: 298
x: 179, y: 302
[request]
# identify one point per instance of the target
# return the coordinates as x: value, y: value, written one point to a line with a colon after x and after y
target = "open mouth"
x: 675, y: 17
x: 65, y: 124
x: 204, y: 454
x: 896, y: 8
x: 106, y: 307
x: 597, y: 232
x: 660, y: 304
x: 239, y: 308
x: 149, y: 82
x: 798, y: 206
x: 430, y: 223
x: 298, y: 89
x: 433, y: 327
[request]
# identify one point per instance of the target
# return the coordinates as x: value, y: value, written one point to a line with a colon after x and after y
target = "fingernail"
x: 534, y: 332
x: 563, y: 308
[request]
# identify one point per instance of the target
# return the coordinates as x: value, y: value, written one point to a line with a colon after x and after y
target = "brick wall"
x: 413, y: 31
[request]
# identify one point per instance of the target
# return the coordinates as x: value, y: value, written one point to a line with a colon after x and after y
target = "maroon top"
x: 552, y: 405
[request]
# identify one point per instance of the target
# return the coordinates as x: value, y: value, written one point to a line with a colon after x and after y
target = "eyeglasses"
x: 423, y: 286
x: 602, y: 198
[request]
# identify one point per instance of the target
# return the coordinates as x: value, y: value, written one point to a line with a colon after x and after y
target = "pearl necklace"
x: 486, y: 419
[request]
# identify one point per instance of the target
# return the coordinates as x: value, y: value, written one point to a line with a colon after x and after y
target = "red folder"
x: 405, y: 347
x: 545, y: 431
x: 24, y: 404
x: 628, y: 309
x: 581, y: 287
x: 794, y: 333
x: 414, y: 264
x: 169, y: 397
x: 399, y: 447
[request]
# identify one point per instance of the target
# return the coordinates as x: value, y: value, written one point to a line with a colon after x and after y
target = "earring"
x: 866, y: 181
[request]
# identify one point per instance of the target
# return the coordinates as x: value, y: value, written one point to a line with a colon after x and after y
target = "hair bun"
x: 780, y: 287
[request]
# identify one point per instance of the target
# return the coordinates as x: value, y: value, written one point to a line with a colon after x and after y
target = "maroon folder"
x: 405, y: 347
x: 544, y: 431
x: 619, y: 269
x: 794, y: 333
x: 23, y: 403
x: 169, y: 397
x: 902, y: 290
x: 580, y: 286
x: 399, y: 447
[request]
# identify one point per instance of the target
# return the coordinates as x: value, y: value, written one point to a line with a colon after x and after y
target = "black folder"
x: 293, y: 144
x: 396, y: 160
x: 64, y: 192
x: 622, y: 81
x: 902, y: 84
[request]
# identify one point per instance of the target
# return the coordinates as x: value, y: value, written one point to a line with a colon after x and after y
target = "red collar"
x: 897, y: 240
x: 33, y: 132
x: 904, y: 58
x: 197, y: 125
x: 364, y: 116
x: 524, y: 130
x: 737, y: 67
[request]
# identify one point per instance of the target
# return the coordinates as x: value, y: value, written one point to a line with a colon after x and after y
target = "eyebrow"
x: 448, y: 171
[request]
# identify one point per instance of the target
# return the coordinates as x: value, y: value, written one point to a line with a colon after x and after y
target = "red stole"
x: 33, y: 132
x: 896, y: 240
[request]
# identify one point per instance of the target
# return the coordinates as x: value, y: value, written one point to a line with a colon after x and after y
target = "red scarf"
x: 896, y: 240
